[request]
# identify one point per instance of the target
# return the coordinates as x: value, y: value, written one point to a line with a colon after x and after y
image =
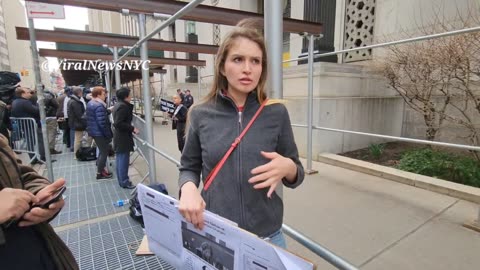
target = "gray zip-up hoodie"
x: 213, y: 127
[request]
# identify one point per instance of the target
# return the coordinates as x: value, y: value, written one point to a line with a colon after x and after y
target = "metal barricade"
x: 140, y: 124
x: 316, y: 248
x: 24, y: 138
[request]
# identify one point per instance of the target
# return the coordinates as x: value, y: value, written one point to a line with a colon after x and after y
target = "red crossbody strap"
x: 216, y: 169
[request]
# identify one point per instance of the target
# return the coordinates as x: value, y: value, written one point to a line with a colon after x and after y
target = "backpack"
x: 136, y: 210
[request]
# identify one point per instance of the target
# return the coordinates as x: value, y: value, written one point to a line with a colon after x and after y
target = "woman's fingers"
x: 193, y: 214
x: 272, y: 189
x: 262, y: 177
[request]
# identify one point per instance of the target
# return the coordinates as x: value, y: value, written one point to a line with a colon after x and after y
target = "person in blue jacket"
x: 100, y: 128
x: 244, y: 189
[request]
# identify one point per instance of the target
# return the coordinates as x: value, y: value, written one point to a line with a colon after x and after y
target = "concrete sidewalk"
x: 372, y: 222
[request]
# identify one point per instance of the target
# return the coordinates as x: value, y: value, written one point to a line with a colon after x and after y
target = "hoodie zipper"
x: 239, y: 159
x: 240, y: 128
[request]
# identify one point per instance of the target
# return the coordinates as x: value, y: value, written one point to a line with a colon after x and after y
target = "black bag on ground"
x: 86, y: 153
x: 135, y: 209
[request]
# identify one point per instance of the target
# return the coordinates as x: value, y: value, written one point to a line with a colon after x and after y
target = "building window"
x: 191, y: 37
x: 320, y: 11
x: 190, y: 27
x: 359, y: 22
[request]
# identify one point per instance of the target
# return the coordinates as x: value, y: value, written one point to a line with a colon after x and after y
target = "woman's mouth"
x: 245, y: 81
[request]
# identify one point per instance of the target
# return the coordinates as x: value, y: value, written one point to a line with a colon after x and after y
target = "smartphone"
x: 55, y: 197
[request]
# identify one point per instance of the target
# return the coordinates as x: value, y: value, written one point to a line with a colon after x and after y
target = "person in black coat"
x: 76, y: 120
x: 123, y: 135
x: 179, y: 118
x: 23, y: 107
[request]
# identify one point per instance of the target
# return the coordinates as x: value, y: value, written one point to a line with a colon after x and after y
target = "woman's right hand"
x: 14, y: 203
x: 191, y: 205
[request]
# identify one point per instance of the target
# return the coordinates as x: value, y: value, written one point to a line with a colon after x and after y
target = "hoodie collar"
x: 251, y: 98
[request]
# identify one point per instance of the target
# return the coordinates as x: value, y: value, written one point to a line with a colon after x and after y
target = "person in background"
x: 181, y: 95
x: 62, y: 115
x: 51, y: 108
x: 76, y: 120
x: 123, y: 135
x: 188, y: 101
x: 4, y: 120
x: 99, y: 127
x: 244, y: 190
x: 179, y: 119
x: 27, y: 241
x: 23, y: 107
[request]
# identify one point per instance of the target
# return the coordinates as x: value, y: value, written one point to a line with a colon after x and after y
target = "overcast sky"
x: 75, y: 18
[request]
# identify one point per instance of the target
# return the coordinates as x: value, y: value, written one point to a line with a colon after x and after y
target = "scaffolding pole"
x: 41, y: 98
x: 274, y: 35
x: 147, y: 100
x: 117, y: 71
x: 309, y: 169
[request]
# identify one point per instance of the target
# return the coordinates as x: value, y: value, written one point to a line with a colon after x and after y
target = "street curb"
x: 455, y: 190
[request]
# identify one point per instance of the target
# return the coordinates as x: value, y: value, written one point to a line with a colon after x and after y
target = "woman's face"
x: 243, y: 66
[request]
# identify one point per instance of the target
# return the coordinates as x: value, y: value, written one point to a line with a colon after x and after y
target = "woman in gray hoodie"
x: 244, y: 188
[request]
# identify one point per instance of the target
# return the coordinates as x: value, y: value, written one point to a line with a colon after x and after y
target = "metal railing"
x: 403, y: 139
x: 311, y: 58
x: 24, y: 137
x: 310, y: 125
x: 316, y: 248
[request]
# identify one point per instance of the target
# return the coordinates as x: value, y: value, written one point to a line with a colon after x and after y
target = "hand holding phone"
x: 42, y: 211
x: 55, y: 197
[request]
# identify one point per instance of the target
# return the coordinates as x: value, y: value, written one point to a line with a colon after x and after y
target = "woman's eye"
x: 237, y: 59
x: 256, y: 61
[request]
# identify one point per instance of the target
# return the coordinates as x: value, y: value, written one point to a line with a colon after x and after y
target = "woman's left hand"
x: 270, y: 174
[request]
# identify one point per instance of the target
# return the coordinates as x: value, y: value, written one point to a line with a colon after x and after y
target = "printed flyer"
x: 220, y: 245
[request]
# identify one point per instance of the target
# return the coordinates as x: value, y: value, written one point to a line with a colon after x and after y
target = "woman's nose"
x: 247, y: 67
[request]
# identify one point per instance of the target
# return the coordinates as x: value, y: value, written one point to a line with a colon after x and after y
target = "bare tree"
x: 416, y: 74
x: 439, y: 78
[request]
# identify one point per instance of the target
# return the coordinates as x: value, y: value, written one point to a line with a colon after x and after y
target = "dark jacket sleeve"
x: 31, y: 180
x: 188, y: 101
x: 77, y: 110
x: 120, y: 120
x: 31, y: 108
x: 191, y: 160
x: 54, y: 104
x: 75, y: 115
x: 182, y: 114
x: 287, y: 148
x: 60, y: 102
